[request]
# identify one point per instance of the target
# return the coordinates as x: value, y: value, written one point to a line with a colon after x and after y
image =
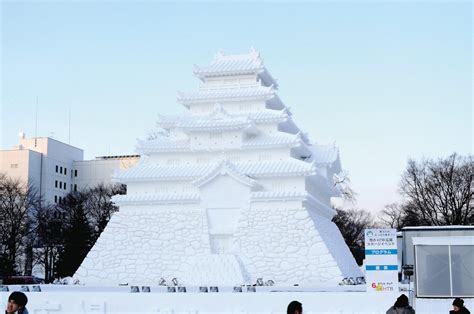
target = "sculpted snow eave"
x: 153, y: 172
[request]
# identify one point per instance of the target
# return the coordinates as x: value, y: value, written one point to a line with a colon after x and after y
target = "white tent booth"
x: 444, y: 266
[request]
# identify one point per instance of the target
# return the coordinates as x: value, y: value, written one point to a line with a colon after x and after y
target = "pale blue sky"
x: 386, y: 81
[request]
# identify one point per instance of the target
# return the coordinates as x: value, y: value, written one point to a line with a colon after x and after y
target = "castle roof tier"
x: 220, y: 114
x: 152, y: 172
x: 232, y: 65
x: 231, y: 95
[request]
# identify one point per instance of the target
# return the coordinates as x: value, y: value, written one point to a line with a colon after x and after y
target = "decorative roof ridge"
x: 226, y: 93
x: 283, y: 139
x: 153, y: 198
x: 237, y: 124
x: 255, y: 169
x: 219, y: 113
x: 225, y: 167
x: 253, y: 54
x: 278, y: 195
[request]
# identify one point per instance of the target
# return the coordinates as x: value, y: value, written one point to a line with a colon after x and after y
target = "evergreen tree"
x: 77, y: 235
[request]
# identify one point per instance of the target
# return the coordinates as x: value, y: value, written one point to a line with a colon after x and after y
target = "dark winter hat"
x: 402, y: 301
x: 294, y: 306
x: 458, y: 302
x: 19, y: 298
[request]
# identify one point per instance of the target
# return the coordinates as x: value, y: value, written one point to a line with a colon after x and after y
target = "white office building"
x: 55, y: 168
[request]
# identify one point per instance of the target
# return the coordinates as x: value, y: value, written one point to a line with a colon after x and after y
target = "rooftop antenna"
x: 36, y: 123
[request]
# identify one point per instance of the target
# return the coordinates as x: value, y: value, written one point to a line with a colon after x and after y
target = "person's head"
x: 458, y: 304
x: 402, y: 301
x: 17, y: 300
x: 294, y: 307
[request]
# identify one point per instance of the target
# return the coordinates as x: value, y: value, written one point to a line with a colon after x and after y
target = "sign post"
x: 381, y: 265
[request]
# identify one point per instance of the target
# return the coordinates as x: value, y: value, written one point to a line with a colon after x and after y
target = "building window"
x: 71, y: 187
x: 56, y: 183
x: 61, y: 170
x: 14, y: 166
x: 75, y: 187
x: 60, y: 200
x: 56, y: 197
x: 56, y: 168
x: 65, y: 170
x: 75, y: 173
x: 64, y: 185
x: 60, y: 185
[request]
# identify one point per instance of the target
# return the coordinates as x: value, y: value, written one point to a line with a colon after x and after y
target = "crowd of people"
x: 401, y: 306
x: 17, y: 305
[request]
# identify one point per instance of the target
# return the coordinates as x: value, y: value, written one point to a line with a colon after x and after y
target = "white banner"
x: 381, y: 264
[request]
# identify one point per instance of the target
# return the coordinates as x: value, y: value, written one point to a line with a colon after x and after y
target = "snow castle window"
x: 173, y: 161
x: 161, y: 189
x: 278, y: 186
x: 202, y: 161
x: 215, y: 135
x: 187, y: 189
x: 230, y: 82
x: 246, y: 107
x: 234, y: 158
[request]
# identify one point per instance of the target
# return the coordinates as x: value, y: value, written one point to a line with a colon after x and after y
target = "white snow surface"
x: 217, y: 211
x: 269, y: 300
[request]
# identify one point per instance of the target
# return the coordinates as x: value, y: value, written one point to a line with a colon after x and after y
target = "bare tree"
x: 17, y: 203
x: 99, y: 205
x: 438, y: 192
x: 352, y: 224
x: 49, y: 239
x: 343, y: 183
x: 392, y: 216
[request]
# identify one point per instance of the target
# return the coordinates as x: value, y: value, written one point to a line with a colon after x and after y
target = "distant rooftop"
x: 451, y: 227
x: 116, y: 157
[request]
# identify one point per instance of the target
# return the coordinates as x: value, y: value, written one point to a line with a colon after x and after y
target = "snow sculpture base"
x: 141, y: 246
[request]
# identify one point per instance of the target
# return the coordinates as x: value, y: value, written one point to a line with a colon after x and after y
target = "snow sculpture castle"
x: 231, y: 191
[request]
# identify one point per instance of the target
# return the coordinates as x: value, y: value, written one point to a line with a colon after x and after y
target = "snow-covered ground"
x: 81, y: 299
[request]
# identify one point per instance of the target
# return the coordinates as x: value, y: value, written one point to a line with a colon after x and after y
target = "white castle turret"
x: 229, y: 192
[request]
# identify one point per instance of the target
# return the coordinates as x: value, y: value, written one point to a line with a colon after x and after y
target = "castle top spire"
x: 232, y: 65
